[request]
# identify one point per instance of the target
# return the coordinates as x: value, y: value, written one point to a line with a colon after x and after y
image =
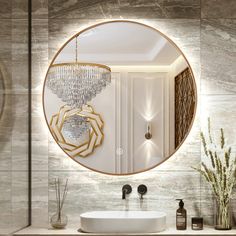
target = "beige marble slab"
x: 218, y: 9
x: 115, y: 9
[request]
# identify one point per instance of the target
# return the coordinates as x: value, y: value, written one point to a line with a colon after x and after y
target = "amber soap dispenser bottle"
x: 181, y: 216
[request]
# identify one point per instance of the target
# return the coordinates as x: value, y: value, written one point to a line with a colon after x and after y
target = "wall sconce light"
x: 148, y: 134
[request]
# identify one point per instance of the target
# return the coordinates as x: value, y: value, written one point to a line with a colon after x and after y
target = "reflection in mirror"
x: 119, y: 97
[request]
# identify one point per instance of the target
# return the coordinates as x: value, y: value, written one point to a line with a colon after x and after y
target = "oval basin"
x: 123, y: 221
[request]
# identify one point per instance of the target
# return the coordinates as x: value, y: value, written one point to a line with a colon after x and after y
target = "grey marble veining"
x: 5, y: 39
x: 19, y: 199
x: 40, y: 130
x: 94, y: 9
x: 13, y: 122
x: 20, y: 103
x: 39, y: 54
x: 6, y: 9
x: 5, y: 155
x: 19, y: 48
x: 40, y: 199
x: 40, y: 152
x: 19, y: 155
x: 218, y: 56
x: 218, y: 9
x: 222, y: 111
x: 5, y: 216
x: 40, y: 9
x: 5, y: 185
x: 19, y: 9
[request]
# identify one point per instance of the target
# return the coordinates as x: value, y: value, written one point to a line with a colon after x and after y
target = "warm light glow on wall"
x: 150, y: 148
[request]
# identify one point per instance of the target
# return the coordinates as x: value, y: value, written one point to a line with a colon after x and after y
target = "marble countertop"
x: 30, y: 231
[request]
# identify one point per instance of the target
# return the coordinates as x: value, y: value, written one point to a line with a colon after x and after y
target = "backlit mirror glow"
x: 107, y: 85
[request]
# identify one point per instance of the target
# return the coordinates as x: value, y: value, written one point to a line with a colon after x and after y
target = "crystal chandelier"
x: 77, y: 83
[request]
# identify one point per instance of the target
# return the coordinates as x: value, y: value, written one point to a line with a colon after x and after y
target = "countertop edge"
x: 207, y: 231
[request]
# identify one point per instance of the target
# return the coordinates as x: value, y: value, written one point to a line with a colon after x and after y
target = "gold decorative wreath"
x: 95, y: 134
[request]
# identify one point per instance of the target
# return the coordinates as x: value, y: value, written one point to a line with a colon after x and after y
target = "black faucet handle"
x: 126, y: 189
x: 142, y: 189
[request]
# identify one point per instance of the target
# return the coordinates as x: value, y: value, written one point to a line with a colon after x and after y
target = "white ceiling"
x: 121, y: 43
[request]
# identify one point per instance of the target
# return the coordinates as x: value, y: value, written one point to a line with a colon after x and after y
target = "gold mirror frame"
x: 171, y: 42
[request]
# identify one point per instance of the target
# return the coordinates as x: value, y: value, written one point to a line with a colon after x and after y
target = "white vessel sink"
x: 123, y: 221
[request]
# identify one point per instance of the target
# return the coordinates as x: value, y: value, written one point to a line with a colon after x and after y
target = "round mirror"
x: 119, y: 97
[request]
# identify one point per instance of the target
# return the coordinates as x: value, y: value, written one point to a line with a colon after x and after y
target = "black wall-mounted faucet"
x: 126, y: 189
x: 142, y: 189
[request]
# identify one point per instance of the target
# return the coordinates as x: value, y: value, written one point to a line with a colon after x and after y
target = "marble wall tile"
x: 39, y: 68
x: 13, y: 123
x: 20, y: 129
x: 5, y: 217
x: 5, y: 185
x: 222, y: 111
x: 20, y: 103
x: 40, y: 199
x: 39, y: 129
x: 5, y: 200
x: 218, y: 9
x: 5, y: 39
x: 39, y: 54
x: 6, y: 9
x: 40, y: 155
x: 5, y: 134
x: 7, y: 118
x: 19, y: 154
x: 90, y: 191
x: 5, y: 52
x: 19, y: 69
x: 19, y: 9
x: 19, y: 198
x: 218, y: 56
x: 95, y: 9
x: 37, y: 105
x: 5, y: 155
x: 14, y: 9
x: 40, y: 9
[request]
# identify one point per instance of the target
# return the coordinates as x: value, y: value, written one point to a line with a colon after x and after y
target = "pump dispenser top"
x: 181, y: 203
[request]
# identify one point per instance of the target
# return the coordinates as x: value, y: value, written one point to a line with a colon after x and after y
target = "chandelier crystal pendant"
x: 75, y: 126
x: 77, y: 83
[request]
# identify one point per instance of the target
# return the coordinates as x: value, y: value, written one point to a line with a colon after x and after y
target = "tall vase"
x: 223, y: 216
